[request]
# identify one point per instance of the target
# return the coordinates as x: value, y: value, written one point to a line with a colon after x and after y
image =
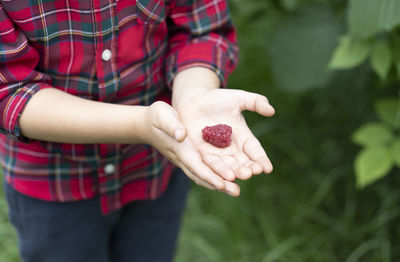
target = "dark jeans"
x: 143, y: 231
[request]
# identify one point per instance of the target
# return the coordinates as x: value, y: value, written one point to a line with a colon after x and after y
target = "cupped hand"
x: 165, y: 132
x: 245, y: 156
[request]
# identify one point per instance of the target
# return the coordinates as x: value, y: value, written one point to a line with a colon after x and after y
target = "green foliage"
x: 290, y: 5
x: 381, y: 147
x: 395, y: 151
x: 396, y: 53
x: 367, y: 18
x: 309, y: 209
x: 300, y: 47
x: 381, y: 59
x: 371, y: 164
x: 371, y: 34
x: 8, y: 243
x: 372, y: 135
x: 371, y: 31
x: 349, y: 53
x: 388, y: 110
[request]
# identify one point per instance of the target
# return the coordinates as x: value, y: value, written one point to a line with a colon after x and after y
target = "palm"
x: 244, y: 156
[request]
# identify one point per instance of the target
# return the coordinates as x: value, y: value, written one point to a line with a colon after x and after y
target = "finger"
x: 167, y: 120
x: 256, y: 103
x: 233, y: 164
x: 245, y: 172
x: 218, y: 165
x: 256, y: 168
x: 254, y: 150
x: 242, y: 171
x: 232, y: 189
x: 192, y: 160
x: 195, y: 179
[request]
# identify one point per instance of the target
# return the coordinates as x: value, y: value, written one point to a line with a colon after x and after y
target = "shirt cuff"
x: 12, y: 106
x: 206, y: 55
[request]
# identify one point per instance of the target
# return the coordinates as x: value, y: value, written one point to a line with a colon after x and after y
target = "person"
x: 88, y: 122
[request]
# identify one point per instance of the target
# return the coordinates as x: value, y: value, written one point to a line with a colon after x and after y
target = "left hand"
x: 245, y: 156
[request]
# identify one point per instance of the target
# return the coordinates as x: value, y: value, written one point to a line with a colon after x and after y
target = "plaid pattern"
x: 58, y: 43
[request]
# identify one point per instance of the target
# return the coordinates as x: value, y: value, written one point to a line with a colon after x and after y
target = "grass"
x: 8, y: 243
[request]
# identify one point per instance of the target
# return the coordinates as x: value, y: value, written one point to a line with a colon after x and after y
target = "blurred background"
x: 331, y: 69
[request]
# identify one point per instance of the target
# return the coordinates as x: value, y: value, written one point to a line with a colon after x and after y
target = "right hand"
x: 166, y: 133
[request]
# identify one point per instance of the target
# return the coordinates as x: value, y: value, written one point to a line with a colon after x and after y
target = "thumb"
x: 256, y: 103
x: 167, y: 120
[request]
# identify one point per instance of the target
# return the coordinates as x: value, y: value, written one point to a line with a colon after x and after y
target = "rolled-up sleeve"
x: 201, y: 34
x: 19, y: 80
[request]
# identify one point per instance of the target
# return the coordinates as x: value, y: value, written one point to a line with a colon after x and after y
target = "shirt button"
x: 106, y: 55
x: 109, y: 169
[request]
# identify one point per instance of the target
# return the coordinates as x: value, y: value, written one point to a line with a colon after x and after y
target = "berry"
x: 219, y: 135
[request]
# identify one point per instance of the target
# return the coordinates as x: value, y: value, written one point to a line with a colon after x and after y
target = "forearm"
x: 53, y: 115
x: 191, y: 82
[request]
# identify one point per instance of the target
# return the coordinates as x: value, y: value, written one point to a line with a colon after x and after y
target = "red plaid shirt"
x: 115, y: 51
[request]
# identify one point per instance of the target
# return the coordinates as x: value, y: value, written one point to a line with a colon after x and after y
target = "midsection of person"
x: 108, y: 51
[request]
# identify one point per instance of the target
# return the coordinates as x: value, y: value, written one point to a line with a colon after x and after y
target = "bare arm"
x: 56, y: 116
x: 53, y: 115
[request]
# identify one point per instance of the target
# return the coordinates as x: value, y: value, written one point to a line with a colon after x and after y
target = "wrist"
x: 161, y: 121
x: 192, y: 82
x: 140, y: 126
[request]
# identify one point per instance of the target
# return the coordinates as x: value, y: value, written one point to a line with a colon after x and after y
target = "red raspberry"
x: 219, y: 135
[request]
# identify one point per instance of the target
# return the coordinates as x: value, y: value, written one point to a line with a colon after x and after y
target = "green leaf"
x: 300, y: 47
x: 349, y: 53
x: 368, y: 17
x: 388, y: 111
x: 381, y: 59
x: 395, y: 151
x: 372, y: 164
x: 372, y: 135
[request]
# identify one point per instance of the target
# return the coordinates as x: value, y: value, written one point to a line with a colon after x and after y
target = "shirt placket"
x: 105, y: 26
x: 108, y: 83
x: 109, y: 176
